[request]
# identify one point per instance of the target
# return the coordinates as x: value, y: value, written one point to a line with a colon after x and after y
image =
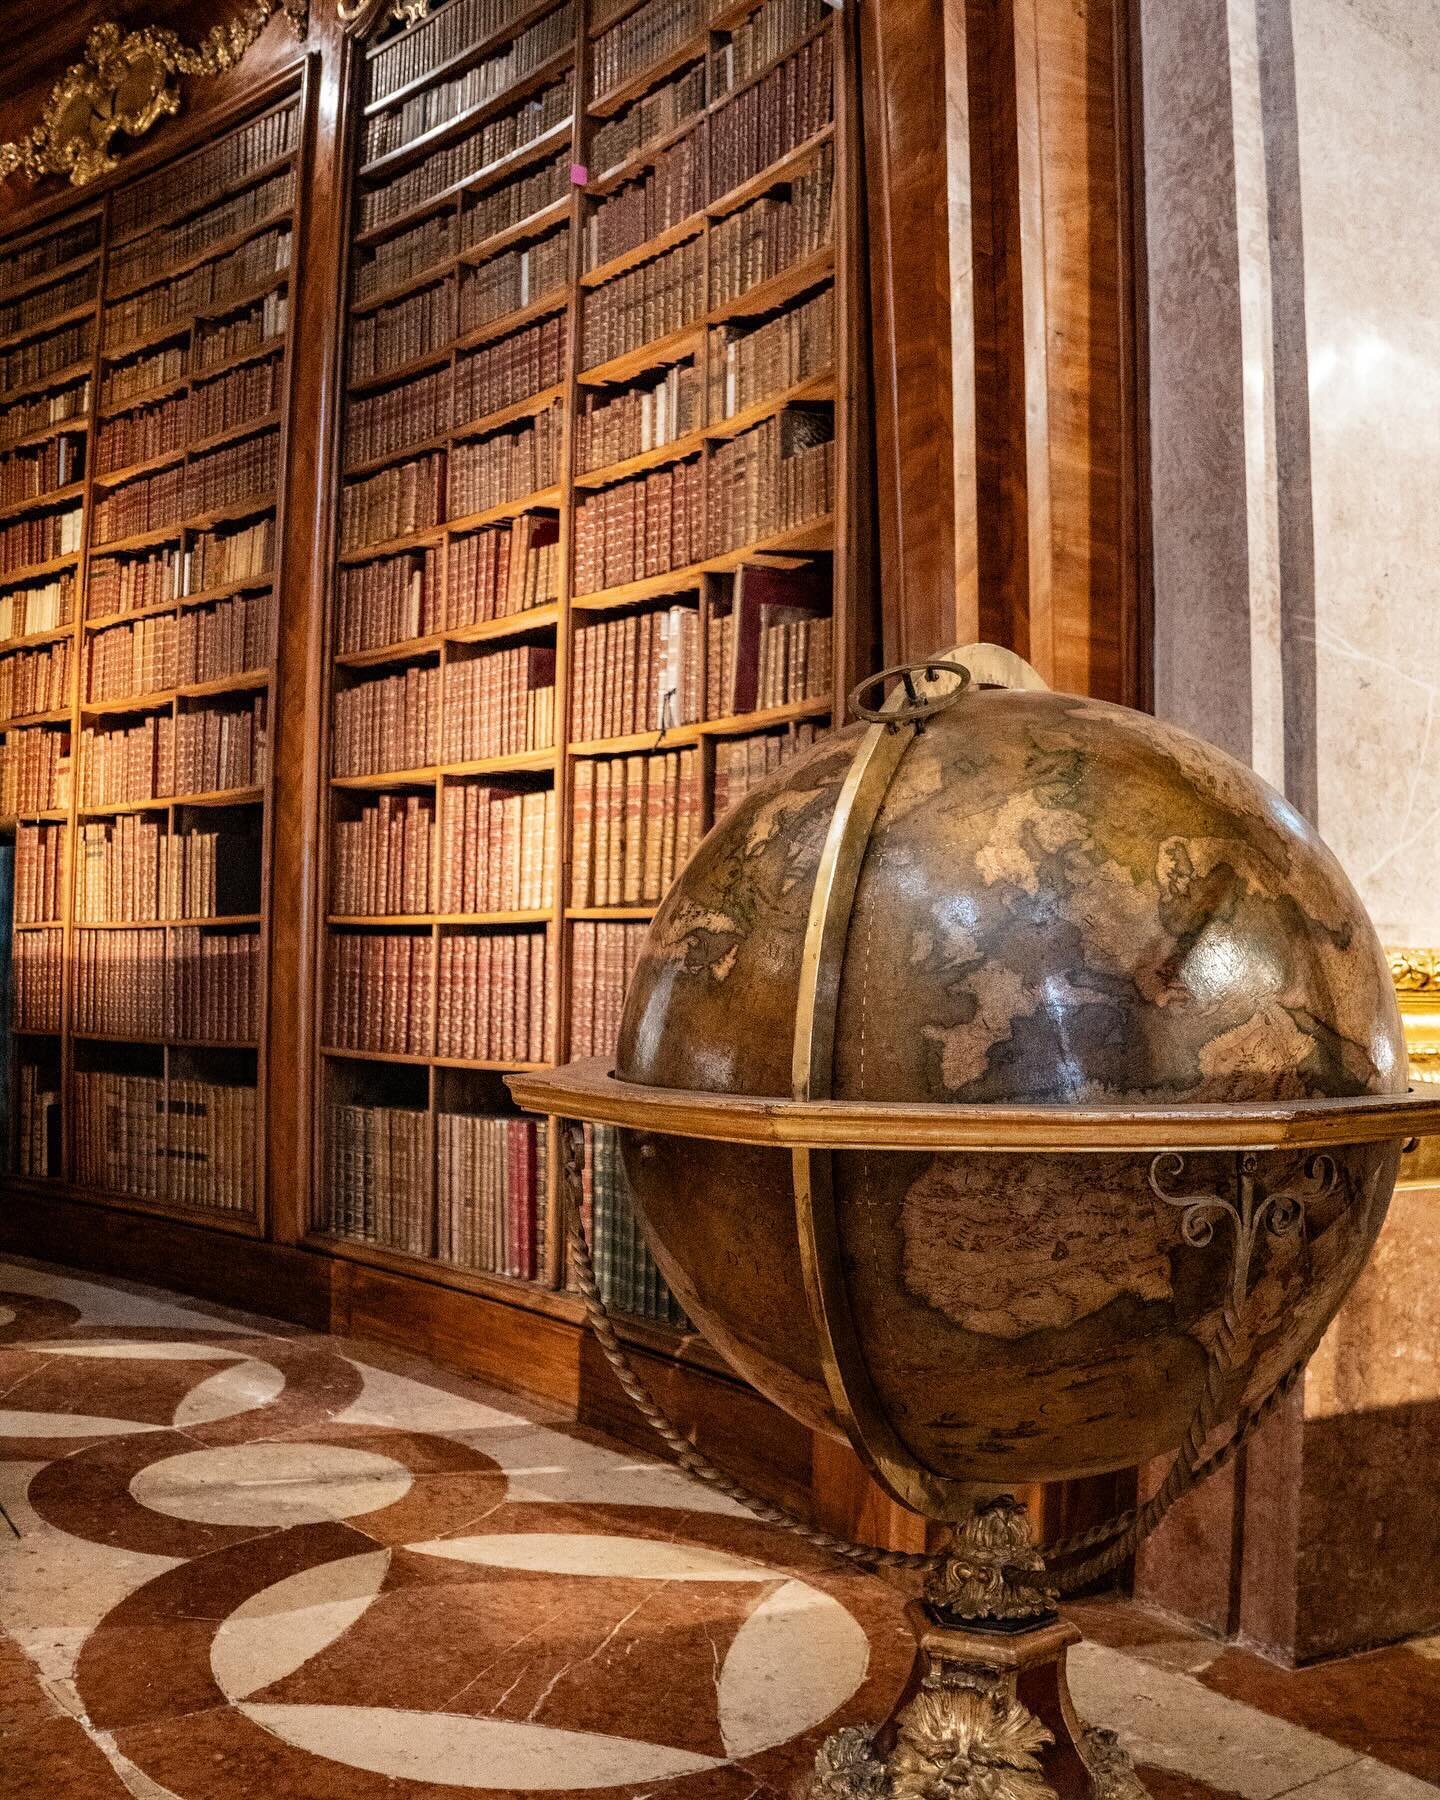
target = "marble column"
x: 1295, y: 363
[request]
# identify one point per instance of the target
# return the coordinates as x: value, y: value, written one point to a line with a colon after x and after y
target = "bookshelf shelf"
x: 44, y: 277
x: 789, y: 165
x: 606, y: 105
x: 226, y: 921
x: 75, y: 427
x: 629, y: 259
x: 477, y: 52
x: 542, y: 76
x: 657, y: 458
x: 17, y: 509
x: 789, y: 284
x: 507, y: 415
x: 44, y: 384
x: 43, y: 328
x: 524, y: 154
x: 664, y: 351
x: 197, y: 259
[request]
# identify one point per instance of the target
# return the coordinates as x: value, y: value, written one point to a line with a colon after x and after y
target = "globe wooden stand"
x: 987, y: 1710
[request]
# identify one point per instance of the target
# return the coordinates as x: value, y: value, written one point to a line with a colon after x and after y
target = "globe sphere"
x: 1060, y: 901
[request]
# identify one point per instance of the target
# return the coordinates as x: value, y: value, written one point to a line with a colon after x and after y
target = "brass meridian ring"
x: 917, y: 707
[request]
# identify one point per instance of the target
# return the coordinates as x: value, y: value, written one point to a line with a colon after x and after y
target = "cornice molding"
x: 125, y: 85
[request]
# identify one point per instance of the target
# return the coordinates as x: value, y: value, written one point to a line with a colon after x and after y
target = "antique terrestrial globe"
x: 1013, y: 1086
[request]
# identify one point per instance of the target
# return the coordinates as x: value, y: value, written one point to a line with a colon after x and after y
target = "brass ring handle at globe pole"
x: 916, y: 707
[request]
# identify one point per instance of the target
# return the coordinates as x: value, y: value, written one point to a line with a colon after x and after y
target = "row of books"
x: 402, y: 332
x: 22, y: 417
x: 32, y: 474
x: 499, y: 704
x: 405, y: 498
x: 778, y: 475
x: 502, y: 570
x: 176, y: 300
x: 625, y: 1271
x: 658, y: 410
x: 484, y: 381
x: 672, y: 189
x: 377, y: 1176
x: 496, y: 848
x: 216, y: 748
x: 35, y: 681
x: 252, y: 391
x: 36, y: 1132
x: 410, y: 414
x: 656, y: 115
x: 42, y: 306
x: 491, y: 1196
x: 39, y: 358
x: 145, y: 257
x: 508, y: 465
x: 34, y: 772
x: 603, y: 957
x: 660, y: 297
x: 469, y: 157
x: 795, y: 656
x: 497, y: 572
x: 140, y: 376
x: 756, y: 598
x: 39, y: 873
x: 743, y: 763
x: 435, y: 40
x: 433, y: 241
x: 484, y: 81
x: 214, y: 558
x: 767, y: 34
x: 188, y: 1142
x: 53, y: 251
x: 40, y: 539
x: 380, y: 858
x: 183, y: 983
x: 772, y: 234
x: 387, y: 722
x: 494, y: 1000
x: 133, y: 869
x: 773, y: 116
x: 37, y: 974
x: 642, y: 38
x: 636, y: 671
x: 490, y: 1210
x: 219, y: 168
x: 747, y: 367
x: 44, y: 606
x: 168, y: 651
x: 645, y: 526
x: 517, y: 278
x: 234, y: 474
x: 378, y: 992
x: 244, y: 332
x: 635, y: 821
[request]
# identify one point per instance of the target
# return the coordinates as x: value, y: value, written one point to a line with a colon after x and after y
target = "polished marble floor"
x: 239, y: 1560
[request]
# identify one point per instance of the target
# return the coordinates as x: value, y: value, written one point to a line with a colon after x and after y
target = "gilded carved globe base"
x: 1014, y: 1087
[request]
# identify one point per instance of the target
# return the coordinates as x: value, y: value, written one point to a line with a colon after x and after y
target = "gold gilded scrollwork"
x: 364, y: 16
x: 124, y: 86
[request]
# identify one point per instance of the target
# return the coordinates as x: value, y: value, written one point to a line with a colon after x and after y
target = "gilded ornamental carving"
x: 125, y: 86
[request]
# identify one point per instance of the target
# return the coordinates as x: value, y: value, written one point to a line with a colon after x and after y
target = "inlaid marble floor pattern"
x: 242, y: 1560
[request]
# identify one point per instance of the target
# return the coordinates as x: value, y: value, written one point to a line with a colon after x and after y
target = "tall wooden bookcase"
x: 456, y: 255
x: 140, y: 794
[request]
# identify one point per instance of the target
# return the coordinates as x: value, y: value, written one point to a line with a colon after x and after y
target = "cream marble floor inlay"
x: 254, y: 1561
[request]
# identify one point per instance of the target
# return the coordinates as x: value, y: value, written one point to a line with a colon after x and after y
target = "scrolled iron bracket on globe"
x: 925, y: 1001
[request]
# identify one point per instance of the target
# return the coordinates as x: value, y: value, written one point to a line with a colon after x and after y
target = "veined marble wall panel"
x: 1295, y: 366
x: 1294, y: 252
